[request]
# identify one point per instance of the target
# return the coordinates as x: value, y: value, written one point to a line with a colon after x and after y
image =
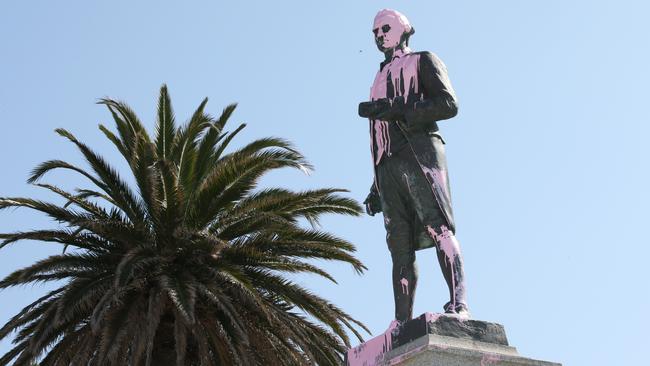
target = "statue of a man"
x: 411, y: 92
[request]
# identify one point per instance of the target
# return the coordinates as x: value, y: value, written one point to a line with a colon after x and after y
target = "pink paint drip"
x: 490, y: 359
x: 429, y: 318
x: 449, y: 245
x: 438, y: 178
x: 382, y: 139
x: 405, y: 286
x: 403, y: 67
x: 371, y: 353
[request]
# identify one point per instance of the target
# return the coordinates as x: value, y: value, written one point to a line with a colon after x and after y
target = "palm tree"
x: 189, y: 266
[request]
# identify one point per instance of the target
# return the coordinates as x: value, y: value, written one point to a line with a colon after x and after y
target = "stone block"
x: 440, y: 340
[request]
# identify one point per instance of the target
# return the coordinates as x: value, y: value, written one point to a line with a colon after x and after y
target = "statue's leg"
x: 434, y: 225
x: 398, y: 221
x: 404, y: 274
x: 451, y: 264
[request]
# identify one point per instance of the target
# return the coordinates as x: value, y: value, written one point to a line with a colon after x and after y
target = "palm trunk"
x: 164, y: 352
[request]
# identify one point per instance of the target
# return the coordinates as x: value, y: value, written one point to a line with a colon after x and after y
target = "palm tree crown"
x: 187, y: 267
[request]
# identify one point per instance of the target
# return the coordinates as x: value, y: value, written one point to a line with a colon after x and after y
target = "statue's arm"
x: 373, y: 109
x: 439, y: 100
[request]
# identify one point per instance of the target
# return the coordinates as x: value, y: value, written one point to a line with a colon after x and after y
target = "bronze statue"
x: 411, y: 92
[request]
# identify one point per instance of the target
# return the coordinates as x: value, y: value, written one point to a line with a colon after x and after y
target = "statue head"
x: 392, y: 30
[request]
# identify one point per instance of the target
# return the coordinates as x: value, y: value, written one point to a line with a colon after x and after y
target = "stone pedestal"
x: 440, y: 340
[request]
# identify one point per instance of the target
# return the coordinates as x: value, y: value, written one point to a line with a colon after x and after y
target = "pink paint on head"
x: 489, y: 359
x: 389, y: 26
x: 405, y: 286
x: 397, y: 24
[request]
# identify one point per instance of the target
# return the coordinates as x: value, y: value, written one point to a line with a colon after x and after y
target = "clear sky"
x: 548, y: 155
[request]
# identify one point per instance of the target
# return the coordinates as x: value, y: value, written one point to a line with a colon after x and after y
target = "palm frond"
x: 206, y: 146
x: 188, y: 266
x: 166, y: 126
x: 113, y: 185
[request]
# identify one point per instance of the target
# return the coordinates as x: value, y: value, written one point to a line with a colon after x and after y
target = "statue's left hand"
x: 373, y: 108
x: 395, y: 110
x: 373, y: 203
x: 384, y: 109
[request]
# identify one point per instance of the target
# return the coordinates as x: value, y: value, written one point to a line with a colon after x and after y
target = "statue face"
x: 389, y: 26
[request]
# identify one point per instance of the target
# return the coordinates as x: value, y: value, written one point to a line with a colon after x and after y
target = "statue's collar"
x: 396, y: 54
x: 401, y: 52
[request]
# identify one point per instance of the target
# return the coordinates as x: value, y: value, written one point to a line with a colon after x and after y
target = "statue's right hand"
x: 372, y: 203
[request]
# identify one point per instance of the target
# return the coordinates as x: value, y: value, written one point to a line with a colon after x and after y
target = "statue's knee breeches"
x: 400, y: 241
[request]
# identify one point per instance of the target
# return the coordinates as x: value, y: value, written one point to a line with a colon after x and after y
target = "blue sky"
x: 548, y: 156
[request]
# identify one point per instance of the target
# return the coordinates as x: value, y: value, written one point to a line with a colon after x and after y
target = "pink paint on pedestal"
x: 371, y: 353
x: 432, y: 317
x: 397, y: 360
x: 490, y: 359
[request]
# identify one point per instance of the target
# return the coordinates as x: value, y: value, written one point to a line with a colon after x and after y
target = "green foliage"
x: 188, y: 267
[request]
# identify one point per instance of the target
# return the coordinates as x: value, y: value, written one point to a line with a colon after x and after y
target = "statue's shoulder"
x: 431, y: 60
x: 426, y: 54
